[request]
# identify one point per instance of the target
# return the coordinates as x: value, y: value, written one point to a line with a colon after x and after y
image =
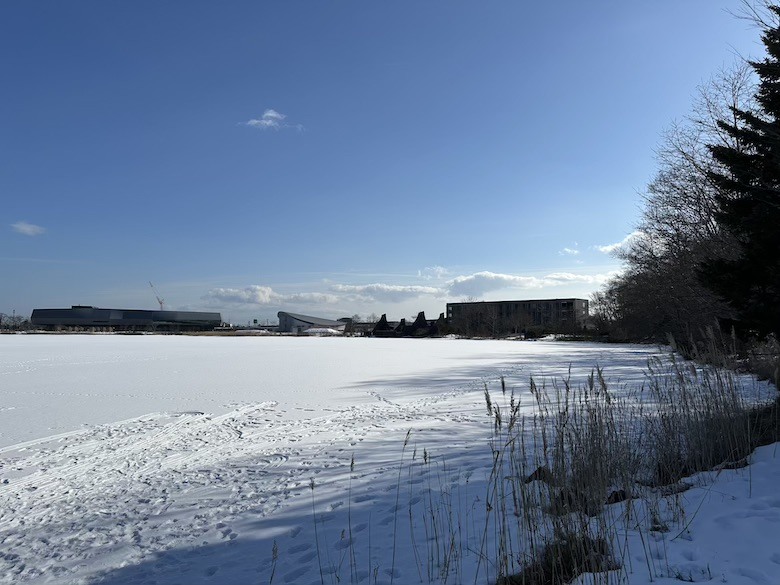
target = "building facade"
x: 517, y: 317
x: 80, y: 317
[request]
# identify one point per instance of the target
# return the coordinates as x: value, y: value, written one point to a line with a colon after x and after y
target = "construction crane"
x: 159, y: 300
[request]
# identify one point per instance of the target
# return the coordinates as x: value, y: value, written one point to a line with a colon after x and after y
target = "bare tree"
x: 660, y: 291
x: 681, y: 201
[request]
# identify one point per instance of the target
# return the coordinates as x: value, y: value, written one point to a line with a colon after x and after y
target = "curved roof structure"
x: 295, y: 322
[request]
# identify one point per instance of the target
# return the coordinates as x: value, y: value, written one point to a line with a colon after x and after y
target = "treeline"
x: 706, y: 254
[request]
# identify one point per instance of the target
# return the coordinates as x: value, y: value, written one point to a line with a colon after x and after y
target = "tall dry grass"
x: 590, y: 463
x: 572, y: 477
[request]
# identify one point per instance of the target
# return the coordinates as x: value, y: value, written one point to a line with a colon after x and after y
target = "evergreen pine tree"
x: 749, y: 201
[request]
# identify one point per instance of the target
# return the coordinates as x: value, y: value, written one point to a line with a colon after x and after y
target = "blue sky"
x: 333, y: 158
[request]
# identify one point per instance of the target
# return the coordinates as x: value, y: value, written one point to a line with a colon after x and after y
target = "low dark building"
x: 421, y: 327
x: 84, y: 317
x: 358, y: 328
x: 384, y: 328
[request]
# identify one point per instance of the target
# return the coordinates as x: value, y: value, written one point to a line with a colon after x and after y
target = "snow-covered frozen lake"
x: 52, y: 384
x: 172, y: 459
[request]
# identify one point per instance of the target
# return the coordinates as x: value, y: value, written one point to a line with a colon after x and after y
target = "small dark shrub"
x: 562, y: 560
x: 763, y: 359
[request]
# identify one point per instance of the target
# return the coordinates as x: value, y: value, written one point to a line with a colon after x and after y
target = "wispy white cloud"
x: 386, y: 292
x: 250, y: 295
x: 471, y: 285
x: 312, y: 298
x: 569, y: 252
x: 265, y: 295
x: 28, y: 229
x: 479, y: 283
x: 341, y: 295
x: 559, y: 278
x: 610, y: 248
x: 433, y: 272
x: 272, y: 120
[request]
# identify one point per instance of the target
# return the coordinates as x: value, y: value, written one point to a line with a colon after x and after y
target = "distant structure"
x: 358, y: 328
x: 81, y: 317
x: 160, y: 301
x: 517, y: 317
x: 296, y: 323
x: 421, y: 327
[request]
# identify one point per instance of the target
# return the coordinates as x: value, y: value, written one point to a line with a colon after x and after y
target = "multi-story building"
x: 515, y: 317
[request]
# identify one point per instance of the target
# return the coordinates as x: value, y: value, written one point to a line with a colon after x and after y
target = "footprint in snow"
x: 386, y: 521
x: 307, y: 557
x: 300, y: 547
x: 752, y: 574
x: 296, y: 574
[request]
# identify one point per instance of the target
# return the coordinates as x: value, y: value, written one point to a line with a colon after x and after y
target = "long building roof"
x: 309, y: 320
x: 95, y: 316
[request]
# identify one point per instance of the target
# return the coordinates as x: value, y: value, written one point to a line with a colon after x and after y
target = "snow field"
x: 291, y: 460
